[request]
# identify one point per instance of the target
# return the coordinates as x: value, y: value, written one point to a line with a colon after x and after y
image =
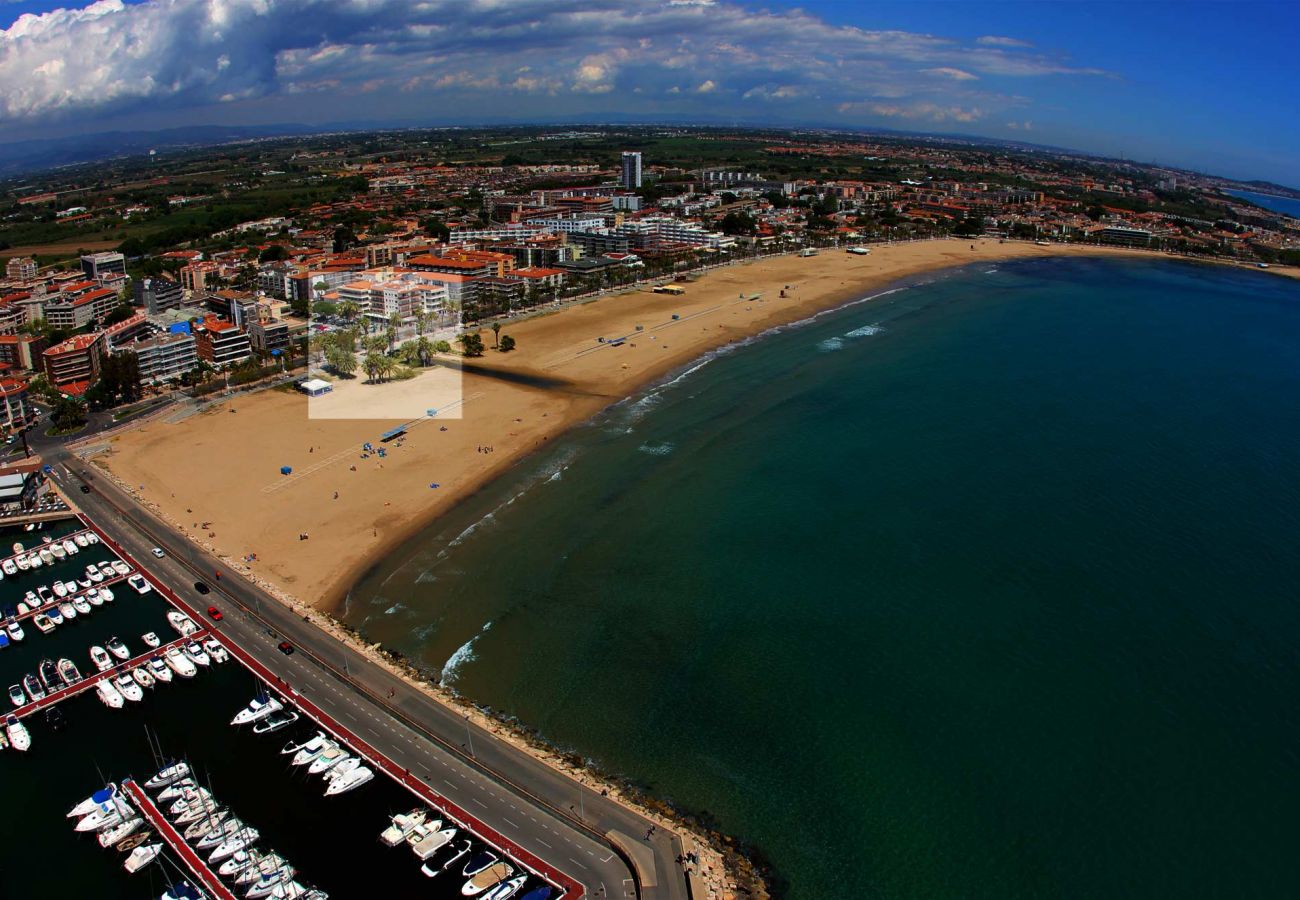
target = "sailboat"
x: 168, y: 774
x: 111, y: 836
x: 235, y: 842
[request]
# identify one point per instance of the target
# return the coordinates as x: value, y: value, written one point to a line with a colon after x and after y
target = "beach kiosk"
x: 315, y: 387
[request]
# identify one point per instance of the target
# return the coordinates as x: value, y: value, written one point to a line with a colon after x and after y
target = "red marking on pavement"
x: 197, y: 865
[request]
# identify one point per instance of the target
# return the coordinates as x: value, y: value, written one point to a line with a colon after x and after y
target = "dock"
x: 197, y: 864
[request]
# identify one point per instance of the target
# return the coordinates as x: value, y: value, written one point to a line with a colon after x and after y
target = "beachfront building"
x: 221, y: 343
x: 1124, y: 236
x: 108, y: 266
x: 74, y: 365
x: 165, y: 356
x: 20, y: 268
x: 406, y: 295
x: 269, y: 335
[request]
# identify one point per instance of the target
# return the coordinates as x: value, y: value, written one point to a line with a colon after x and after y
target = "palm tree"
x: 421, y: 321
x: 424, y: 350
x: 394, y: 323
x: 374, y: 365
x: 349, y: 310
x: 496, y: 334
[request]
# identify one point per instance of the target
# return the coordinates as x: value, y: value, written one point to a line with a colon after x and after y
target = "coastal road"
x: 542, y: 810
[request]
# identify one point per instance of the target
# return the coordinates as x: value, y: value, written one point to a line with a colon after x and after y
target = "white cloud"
x: 950, y: 72
x: 993, y: 40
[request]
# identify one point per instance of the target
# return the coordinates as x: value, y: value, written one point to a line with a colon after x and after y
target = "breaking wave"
x: 464, y: 653
x: 661, y: 449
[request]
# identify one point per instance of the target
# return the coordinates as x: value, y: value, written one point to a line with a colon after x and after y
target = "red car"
x: 214, y: 613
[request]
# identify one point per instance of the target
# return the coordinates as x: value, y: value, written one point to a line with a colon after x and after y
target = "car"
x: 202, y: 588
x: 214, y: 613
x: 85, y: 489
x: 157, y: 551
x: 286, y: 648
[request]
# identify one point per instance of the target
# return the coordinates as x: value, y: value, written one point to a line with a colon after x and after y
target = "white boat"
x: 176, y: 790
x: 141, y: 586
x: 9, y: 567
x: 106, y: 569
x: 107, y: 594
x: 275, y: 721
x: 79, y: 539
x: 16, y: 695
x: 23, y: 607
x: 426, y: 841
x: 110, y: 695
x: 159, y: 669
x: 17, y: 733
x: 260, y: 707
x: 99, y: 656
x: 269, y: 881
x: 18, y: 548
x: 93, y: 597
x: 84, y: 583
x: 15, y: 631
x: 183, y: 891
x: 345, y: 783
x: 168, y: 774
x: 44, y: 594
x: 110, y: 836
x: 93, y: 802
x: 306, y: 751
x: 68, y: 671
x: 193, y: 797
x: 205, y: 825
x: 233, y: 844
x: 34, y: 560
x: 401, y: 826
x: 45, y: 556
x: 22, y: 564
x: 44, y: 624
x: 92, y: 538
x: 81, y: 605
x: 179, y: 663
x: 141, y: 856
x: 128, y: 687
x: 151, y: 639
x: 218, y: 653
x: 330, y: 757
x: 486, y: 879
x: 33, y: 687
x: 58, y: 551
x: 183, y: 624
x: 506, y: 889
x: 70, y: 587
x: 194, y: 812
x: 70, y: 546
x: 120, y: 567
x: 68, y: 610
x: 93, y: 573
x: 59, y: 590
x: 218, y: 833
x: 106, y: 815
x: 142, y: 676
x: 118, y: 649
x: 256, y: 864
x: 290, y: 890
x: 197, y: 653
x: 342, y: 768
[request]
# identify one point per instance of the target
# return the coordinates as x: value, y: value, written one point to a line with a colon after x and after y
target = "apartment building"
x: 22, y: 351
x: 74, y: 364
x: 194, y: 277
x: 16, y: 412
x: 221, y: 343
x: 107, y: 266
x: 630, y: 174
x: 158, y: 295
x: 20, y: 268
x: 77, y: 310
x: 165, y: 356
x: 268, y: 336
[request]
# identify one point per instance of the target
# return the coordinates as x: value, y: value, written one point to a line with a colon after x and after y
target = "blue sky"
x: 1206, y: 85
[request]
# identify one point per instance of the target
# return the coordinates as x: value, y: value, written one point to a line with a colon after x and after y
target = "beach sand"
x: 217, y: 474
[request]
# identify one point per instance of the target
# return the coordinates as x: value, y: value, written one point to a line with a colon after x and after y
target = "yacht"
x: 183, y: 624
x: 141, y: 856
x: 234, y: 843
x: 15, y: 630
x: 151, y: 640
x: 425, y: 842
x: 128, y: 687
x: 68, y: 610
x: 49, y: 673
x: 59, y: 590
x: 94, y: 574
x: 197, y: 653
x: 111, y: 836
x: 17, y: 734
x: 33, y: 687
x: 179, y: 663
x: 331, y: 756
x: 345, y: 783
x: 506, y: 889
x: 70, y: 547
x: 44, y: 624
x: 106, y: 815
x: 81, y: 605
x: 106, y: 594
x: 198, y: 829
x: 16, y: 695
x: 487, y: 879
x: 58, y: 551
x: 139, y: 584
x: 111, y: 696
x: 159, y: 669
x: 118, y: 649
x: 260, y: 707
x: 214, y: 649
x: 93, y: 596
x: 307, y: 751
x: 217, y: 833
x: 121, y: 568
x: 182, y: 891
x: 342, y: 768
x: 275, y: 721
x: 68, y: 671
x: 142, y: 676
x: 402, y: 825
x: 168, y: 774
x: 99, y: 656
x: 93, y: 802
x: 269, y: 881
x: 9, y: 567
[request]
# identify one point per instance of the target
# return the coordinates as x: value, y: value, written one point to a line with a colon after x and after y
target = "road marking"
x: 544, y: 844
x: 507, y: 821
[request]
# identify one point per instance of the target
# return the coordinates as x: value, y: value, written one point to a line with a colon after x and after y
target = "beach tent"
x: 315, y: 387
x: 286, y: 470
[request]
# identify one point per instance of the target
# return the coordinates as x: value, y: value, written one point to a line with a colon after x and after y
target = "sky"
x: 1209, y: 86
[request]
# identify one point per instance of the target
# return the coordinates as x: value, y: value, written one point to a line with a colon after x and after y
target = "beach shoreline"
x: 314, y: 537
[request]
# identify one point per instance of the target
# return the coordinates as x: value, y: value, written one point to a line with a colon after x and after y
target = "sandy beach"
x: 217, y: 475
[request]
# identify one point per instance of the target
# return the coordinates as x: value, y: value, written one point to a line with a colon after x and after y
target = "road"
x: 542, y: 810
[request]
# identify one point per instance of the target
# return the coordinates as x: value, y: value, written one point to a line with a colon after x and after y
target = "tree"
x: 324, y: 308
x: 69, y: 413
x: 738, y: 223
x: 348, y: 310
x: 441, y: 347
x: 423, y: 350
x: 273, y: 253
x: 344, y: 237
x: 496, y: 333
x: 340, y: 360
x: 472, y: 343
x: 374, y: 364
x: 507, y: 344
x: 394, y: 323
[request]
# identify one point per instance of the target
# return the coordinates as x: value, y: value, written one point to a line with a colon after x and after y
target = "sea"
x: 1286, y: 205
x: 982, y: 586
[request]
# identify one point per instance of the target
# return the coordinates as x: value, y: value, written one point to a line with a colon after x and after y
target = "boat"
x: 99, y: 656
x: 347, y: 782
x: 168, y: 774
x: 18, y: 548
x: 197, y: 653
x: 9, y: 567
x: 179, y: 663
x: 30, y: 601
x: 234, y: 843
x: 401, y: 826
x: 128, y: 687
x: 80, y: 540
x: 70, y: 547
x: 106, y: 569
x: 46, y: 557
x: 506, y: 889
x: 159, y: 669
x: 68, y: 610
x: 106, y: 815
x: 49, y: 673
x: 329, y: 757
x: 15, y: 630
x: 189, y: 797
x: 275, y: 721
x: 426, y: 842
x: 120, y: 567
x: 22, y: 564
x: 54, y: 718
x: 218, y: 833
x: 58, y: 551
x: 34, y: 560
x: 151, y: 640
x: 198, y: 829
x: 81, y: 605
x: 44, y: 624
x: 93, y: 597
x: 142, y: 677
x: 110, y: 695
x: 141, y: 856
x: 112, y: 836
x: 269, y: 881
x: 458, y: 853
x: 182, y: 891
x: 17, y: 733
x: 60, y: 590
x: 106, y: 594
x: 55, y: 614
x: 118, y: 649
x: 94, y: 574
x: 194, y: 812
x: 16, y: 695
x: 92, y: 538
x: 252, y: 868
x: 487, y: 879
x: 139, y: 584
x: 44, y: 594
x: 478, y: 862
x: 342, y: 768
x: 33, y: 687
x: 183, y: 624
x: 214, y: 649
x: 176, y: 789
x: 259, y: 707
x: 93, y: 802
x: 538, y: 893
x: 290, y: 890
x: 133, y: 841
x: 306, y: 751
x: 68, y: 671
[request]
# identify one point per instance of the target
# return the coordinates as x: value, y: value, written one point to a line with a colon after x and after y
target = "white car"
x: 157, y: 551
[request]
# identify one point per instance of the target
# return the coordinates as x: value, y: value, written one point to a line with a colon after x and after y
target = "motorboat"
x: 58, y: 551
x: 21, y: 564
x: 424, y: 843
x: 93, y: 573
x: 218, y: 833
x: 111, y: 836
x: 233, y: 844
x: 4, y: 639
x: 68, y: 610
x: 151, y: 640
x: 80, y: 540
x: 106, y: 569
x: 84, y: 583
x: 59, y: 590
x: 106, y: 815
x: 275, y: 721
x: 33, y: 687
x: 478, y: 862
x: 18, y: 548
x: 139, y: 584
x: 260, y: 707
x: 506, y: 889
x: 195, y: 652
x: 179, y: 663
x: 203, y: 826
x: 70, y: 547
x: 9, y: 567
x: 110, y: 695
x: 345, y: 783
x: 81, y: 605
x: 176, y: 790
x: 34, y: 560
x: 128, y: 687
x: 92, y: 596
x: 16, y: 695
x: 120, y: 567
x: 269, y: 881
x: 487, y: 879
x: 142, y: 676
x: 159, y: 669
x: 308, y: 750
x: 70, y: 587
x: 92, y: 538
x: 93, y: 802
x: 183, y: 624
x: 118, y: 649
x: 401, y: 826
x: 54, y: 613
x: 214, y: 649
x: 141, y: 856
x: 182, y: 891
x: 44, y: 594
x: 44, y: 624
x: 99, y: 656
x: 107, y: 594
x: 49, y: 673
x: 30, y: 600
x: 168, y: 774
x: 46, y: 557
x: 542, y: 892
x: 15, y: 631
x: 68, y: 671
x: 342, y: 768
x: 458, y: 853
x: 17, y: 733
x: 331, y: 756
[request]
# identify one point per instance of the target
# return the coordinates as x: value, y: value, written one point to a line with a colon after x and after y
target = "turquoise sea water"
x: 984, y: 588
x: 1285, y: 205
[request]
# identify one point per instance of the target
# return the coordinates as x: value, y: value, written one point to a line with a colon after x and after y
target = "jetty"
x: 197, y: 865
